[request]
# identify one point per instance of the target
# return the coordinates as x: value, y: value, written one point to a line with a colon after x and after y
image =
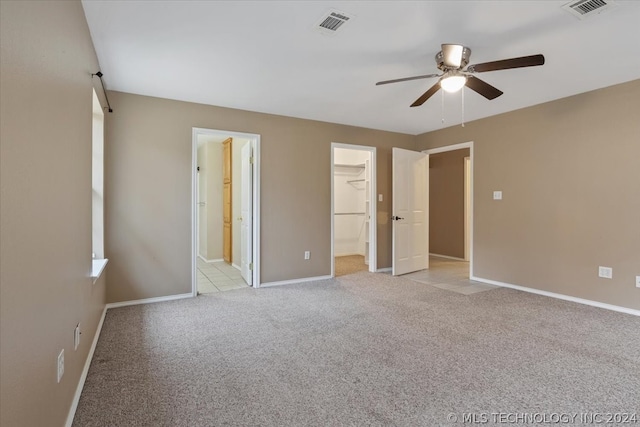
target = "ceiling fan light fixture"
x: 453, y: 83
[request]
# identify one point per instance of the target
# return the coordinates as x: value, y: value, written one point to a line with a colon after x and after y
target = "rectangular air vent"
x: 332, y: 21
x: 585, y: 8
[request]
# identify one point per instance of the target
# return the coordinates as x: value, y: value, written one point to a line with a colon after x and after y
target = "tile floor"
x: 450, y: 275
x: 217, y: 277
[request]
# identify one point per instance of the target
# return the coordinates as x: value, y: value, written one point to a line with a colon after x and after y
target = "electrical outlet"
x: 497, y: 195
x: 605, y: 272
x: 60, y: 364
x: 637, y: 281
x: 76, y: 337
x: 379, y: 197
x: 307, y: 254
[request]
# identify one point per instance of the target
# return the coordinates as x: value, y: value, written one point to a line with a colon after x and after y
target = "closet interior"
x: 352, y: 209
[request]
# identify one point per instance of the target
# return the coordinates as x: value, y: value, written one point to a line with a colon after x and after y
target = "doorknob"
x: 239, y: 218
x: 396, y: 218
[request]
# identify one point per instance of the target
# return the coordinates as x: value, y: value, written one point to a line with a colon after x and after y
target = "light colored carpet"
x: 365, y: 349
x: 349, y: 264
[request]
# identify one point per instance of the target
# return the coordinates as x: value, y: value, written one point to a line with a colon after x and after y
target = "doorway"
x: 225, y: 210
x: 353, y: 209
x: 451, y: 208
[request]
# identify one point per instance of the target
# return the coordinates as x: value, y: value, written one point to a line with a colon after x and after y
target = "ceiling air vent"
x: 332, y: 21
x: 585, y: 8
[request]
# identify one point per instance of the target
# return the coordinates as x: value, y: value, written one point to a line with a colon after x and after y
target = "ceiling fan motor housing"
x: 443, y: 60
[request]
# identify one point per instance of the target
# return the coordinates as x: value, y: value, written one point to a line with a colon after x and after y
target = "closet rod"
x: 342, y: 165
x: 349, y: 213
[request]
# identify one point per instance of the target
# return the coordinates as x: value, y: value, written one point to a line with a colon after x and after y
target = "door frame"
x: 254, y: 139
x: 373, y: 220
x: 454, y: 147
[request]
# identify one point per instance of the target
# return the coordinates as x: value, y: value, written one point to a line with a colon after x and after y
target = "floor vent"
x: 332, y: 21
x: 585, y: 8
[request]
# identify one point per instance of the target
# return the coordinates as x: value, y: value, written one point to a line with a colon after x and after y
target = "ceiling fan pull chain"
x: 462, y: 92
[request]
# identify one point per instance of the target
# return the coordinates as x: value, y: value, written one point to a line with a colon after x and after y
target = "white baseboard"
x: 209, y: 261
x: 85, y: 371
x: 559, y: 296
x: 289, y: 282
x: 236, y: 266
x: 383, y: 270
x: 446, y: 256
x: 149, y: 300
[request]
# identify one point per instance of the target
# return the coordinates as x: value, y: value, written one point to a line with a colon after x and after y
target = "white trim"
x: 194, y: 213
x: 209, y: 261
x: 236, y: 266
x: 373, y: 205
x: 290, y: 282
x: 255, y: 141
x: 446, y: 148
x: 461, y: 146
x: 148, y: 300
x: 383, y: 270
x: 467, y: 207
x: 97, y: 267
x: 347, y: 254
x: 559, y: 296
x: 446, y: 256
x: 85, y: 371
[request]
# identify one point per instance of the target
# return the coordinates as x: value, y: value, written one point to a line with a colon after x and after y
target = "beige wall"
x: 446, y: 203
x: 148, y: 188
x: 569, y: 174
x: 45, y: 210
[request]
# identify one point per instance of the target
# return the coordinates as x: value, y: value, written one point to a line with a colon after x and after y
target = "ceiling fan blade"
x: 452, y: 55
x: 426, y: 76
x: 483, y: 88
x: 505, y: 64
x: 428, y: 94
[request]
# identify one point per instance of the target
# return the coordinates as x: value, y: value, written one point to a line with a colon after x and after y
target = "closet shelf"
x: 349, y: 213
x: 343, y: 165
x: 355, y: 180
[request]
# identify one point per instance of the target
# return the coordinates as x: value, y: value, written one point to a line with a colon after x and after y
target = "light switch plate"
x: 637, y: 281
x: 497, y: 195
x: 60, y: 364
x: 379, y: 197
x: 605, y: 272
x: 76, y: 337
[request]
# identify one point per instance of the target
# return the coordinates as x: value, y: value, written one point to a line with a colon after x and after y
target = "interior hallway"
x: 218, y: 277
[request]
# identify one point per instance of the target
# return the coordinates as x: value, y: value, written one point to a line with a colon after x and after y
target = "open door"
x: 246, y: 227
x: 410, y: 211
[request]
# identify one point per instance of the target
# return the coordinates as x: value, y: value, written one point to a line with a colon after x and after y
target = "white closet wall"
x: 350, y: 174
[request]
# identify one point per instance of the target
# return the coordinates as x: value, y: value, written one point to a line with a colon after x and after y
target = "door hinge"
x: 251, y: 266
x: 251, y: 161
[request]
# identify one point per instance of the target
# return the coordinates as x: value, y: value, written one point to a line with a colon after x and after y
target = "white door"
x: 246, y: 226
x: 201, y: 221
x: 410, y: 211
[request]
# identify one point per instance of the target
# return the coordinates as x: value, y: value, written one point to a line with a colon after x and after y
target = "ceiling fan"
x: 452, y: 59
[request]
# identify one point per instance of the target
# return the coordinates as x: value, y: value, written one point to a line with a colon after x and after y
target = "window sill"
x: 97, y: 268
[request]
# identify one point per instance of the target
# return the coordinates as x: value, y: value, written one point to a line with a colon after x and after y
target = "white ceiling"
x: 266, y: 56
